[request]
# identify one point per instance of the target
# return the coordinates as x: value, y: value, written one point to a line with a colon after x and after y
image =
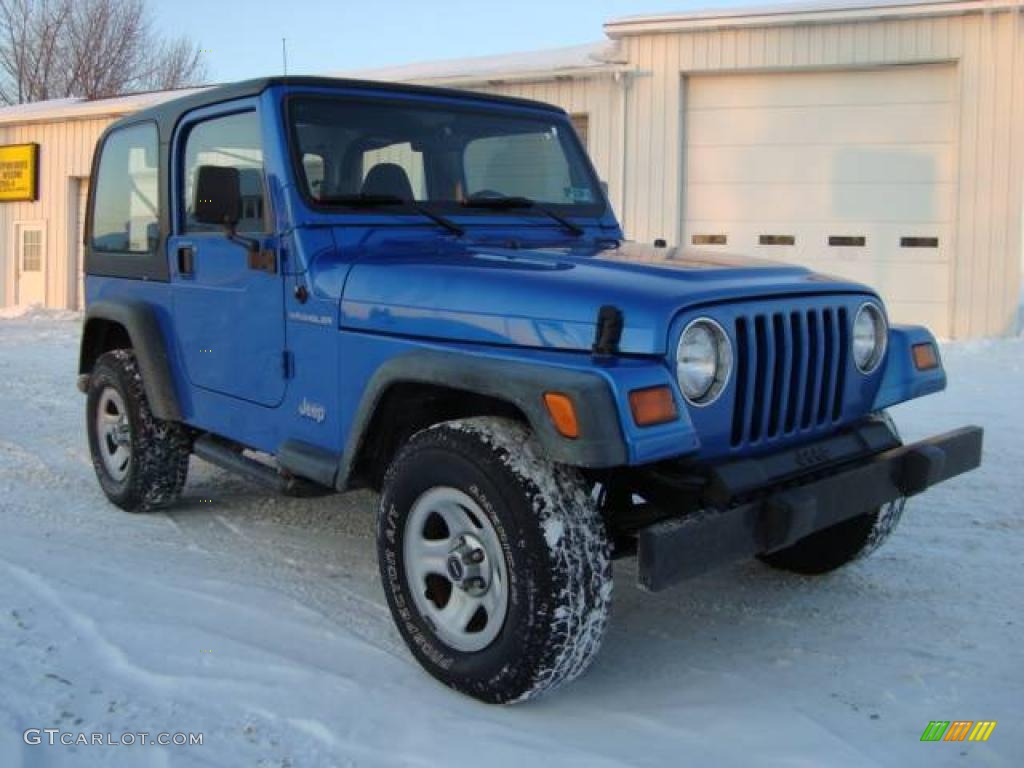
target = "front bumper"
x: 775, y: 516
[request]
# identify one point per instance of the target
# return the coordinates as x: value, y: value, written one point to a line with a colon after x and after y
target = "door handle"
x: 186, y: 260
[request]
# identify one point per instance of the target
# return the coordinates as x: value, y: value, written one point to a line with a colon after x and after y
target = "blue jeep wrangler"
x: 325, y: 284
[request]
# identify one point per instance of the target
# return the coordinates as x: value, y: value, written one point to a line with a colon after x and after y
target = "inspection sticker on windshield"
x: 579, y: 194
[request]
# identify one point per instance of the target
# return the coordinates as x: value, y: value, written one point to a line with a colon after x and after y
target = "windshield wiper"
x: 360, y: 200
x: 508, y: 203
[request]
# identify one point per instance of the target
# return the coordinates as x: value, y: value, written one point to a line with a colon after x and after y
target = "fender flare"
x: 140, y: 322
x: 520, y: 384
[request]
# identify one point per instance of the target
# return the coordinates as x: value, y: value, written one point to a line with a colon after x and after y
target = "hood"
x: 550, y: 297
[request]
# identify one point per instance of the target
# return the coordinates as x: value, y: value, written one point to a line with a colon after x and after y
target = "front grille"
x: 790, y: 371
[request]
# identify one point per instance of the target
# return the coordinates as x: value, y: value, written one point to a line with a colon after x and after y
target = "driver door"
x: 228, y: 307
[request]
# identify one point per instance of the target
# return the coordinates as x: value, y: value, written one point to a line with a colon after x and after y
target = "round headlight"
x: 869, y: 338
x: 703, y: 361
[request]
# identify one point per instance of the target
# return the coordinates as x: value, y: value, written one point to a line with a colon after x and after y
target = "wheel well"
x: 101, y: 336
x: 405, y: 409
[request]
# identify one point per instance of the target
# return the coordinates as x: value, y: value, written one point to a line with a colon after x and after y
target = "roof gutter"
x: 537, y: 76
x: 806, y: 13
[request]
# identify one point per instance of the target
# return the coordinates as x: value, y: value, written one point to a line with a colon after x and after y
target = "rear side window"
x: 126, y: 209
x: 233, y: 142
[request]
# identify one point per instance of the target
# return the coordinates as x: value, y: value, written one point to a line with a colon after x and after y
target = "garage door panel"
x: 883, y: 164
x: 903, y: 86
x: 932, y: 315
x: 802, y: 157
x: 817, y: 202
x: 832, y: 125
x: 895, y: 281
x: 811, y: 246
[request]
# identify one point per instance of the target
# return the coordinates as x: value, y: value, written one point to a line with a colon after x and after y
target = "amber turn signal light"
x: 562, y: 413
x: 925, y: 356
x: 654, y: 405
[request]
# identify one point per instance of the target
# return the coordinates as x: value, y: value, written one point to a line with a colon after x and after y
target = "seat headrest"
x: 387, y: 179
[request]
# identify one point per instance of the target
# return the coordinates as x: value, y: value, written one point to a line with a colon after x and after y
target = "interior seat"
x: 388, y: 179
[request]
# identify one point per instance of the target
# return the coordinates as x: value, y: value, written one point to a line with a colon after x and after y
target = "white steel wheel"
x: 141, y: 461
x: 455, y: 569
x: 494, y: 561
x: 114, y: 433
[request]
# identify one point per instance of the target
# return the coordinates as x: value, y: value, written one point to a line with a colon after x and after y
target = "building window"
x: 32, y: 250
x: 232, y: 141
x: 127, y: 204
x: 581, y: 122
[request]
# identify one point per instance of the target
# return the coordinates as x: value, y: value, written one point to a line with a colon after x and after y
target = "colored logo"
x: 958, y: 730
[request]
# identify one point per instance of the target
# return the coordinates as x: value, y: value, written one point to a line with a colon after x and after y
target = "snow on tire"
x: 484, y: 484
x: 141, y: 461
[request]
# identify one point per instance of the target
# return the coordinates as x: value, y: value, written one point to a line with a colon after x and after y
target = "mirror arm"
x: 252, y: 244
x: 259, y: 257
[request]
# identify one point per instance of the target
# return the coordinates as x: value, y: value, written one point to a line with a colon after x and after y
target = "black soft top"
x: 167, y: 114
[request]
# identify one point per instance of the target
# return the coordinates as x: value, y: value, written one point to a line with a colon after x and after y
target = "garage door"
x: 850, y: 173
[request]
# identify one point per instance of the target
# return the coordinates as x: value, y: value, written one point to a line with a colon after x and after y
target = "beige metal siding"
x: 65, y: 152
x: 986, y: 50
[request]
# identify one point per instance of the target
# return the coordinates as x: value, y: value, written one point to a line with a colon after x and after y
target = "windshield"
x: 441, y: 156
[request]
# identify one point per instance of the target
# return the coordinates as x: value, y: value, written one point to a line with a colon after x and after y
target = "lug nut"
x: 474, y: 556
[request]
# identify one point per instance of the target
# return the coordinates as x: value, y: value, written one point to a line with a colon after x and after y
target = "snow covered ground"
x: 259, y: 621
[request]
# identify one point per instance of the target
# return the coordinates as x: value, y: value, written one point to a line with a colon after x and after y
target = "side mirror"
x: 218, y: 196
x: 604, y: 188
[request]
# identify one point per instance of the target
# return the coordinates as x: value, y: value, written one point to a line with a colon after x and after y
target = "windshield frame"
x: 441, y: 102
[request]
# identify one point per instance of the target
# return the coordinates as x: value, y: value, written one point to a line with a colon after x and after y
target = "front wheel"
x: 494, y: 561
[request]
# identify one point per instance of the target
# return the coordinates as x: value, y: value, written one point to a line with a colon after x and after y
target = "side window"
x: 126, y: 208
x: 406, y: 158
x: 233, y: 142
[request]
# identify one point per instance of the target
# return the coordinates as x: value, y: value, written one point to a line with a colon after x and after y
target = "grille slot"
x: 790, y: 372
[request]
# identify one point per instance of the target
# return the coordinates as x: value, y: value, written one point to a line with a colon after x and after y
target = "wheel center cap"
x: 455, y: 569
x: 466, y: 566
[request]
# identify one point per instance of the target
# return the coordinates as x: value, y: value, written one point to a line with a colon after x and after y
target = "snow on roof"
x: 801, y: 12
x: 577, y: 59
x: 77, y: 108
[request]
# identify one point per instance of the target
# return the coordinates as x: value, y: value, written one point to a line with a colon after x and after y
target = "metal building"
x: 881, y: 140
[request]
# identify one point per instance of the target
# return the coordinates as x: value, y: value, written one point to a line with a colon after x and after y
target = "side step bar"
x: 229, y: 457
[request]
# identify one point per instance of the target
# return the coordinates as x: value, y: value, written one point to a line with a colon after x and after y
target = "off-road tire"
x: 555, y: 550
x: 160, y: 449
x: 844, y: 542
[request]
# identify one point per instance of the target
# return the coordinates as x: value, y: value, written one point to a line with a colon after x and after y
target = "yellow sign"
x: 19, y: 164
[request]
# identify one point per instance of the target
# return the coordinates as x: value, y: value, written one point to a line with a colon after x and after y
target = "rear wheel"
x: 140, y: 461
x: 494, y: 560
